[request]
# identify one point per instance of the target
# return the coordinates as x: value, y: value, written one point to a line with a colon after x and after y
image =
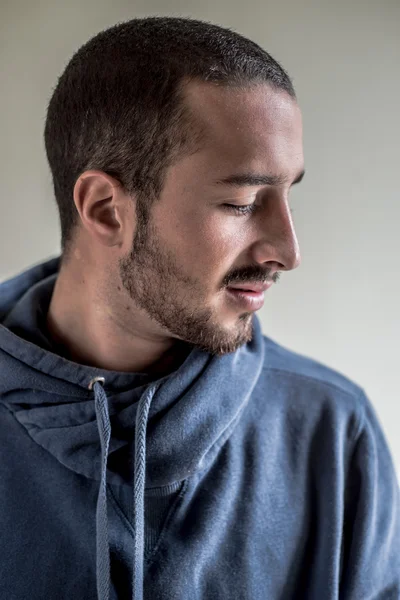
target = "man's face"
x: 194, y: 246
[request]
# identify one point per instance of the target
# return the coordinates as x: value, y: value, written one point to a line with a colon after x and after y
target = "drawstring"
x: 102, y: 543
x: 140, y: 474
x: 102, y: 546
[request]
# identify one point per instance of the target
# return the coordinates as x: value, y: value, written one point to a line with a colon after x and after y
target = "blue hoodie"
x: 260, y: 475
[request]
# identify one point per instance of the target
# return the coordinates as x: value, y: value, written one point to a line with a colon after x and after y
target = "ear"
x: 103, y: 207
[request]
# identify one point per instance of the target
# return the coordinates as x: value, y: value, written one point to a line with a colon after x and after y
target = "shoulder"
x: 301, y: 367
x: 310, y: 388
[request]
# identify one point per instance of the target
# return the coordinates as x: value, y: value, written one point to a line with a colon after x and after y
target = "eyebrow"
x: 242, y: 179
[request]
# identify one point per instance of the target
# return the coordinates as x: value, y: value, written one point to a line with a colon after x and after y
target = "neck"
x: 89, y: 330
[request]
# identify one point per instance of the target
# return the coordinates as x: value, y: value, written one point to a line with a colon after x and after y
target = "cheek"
x: 200, y: 249
x: 227, y: 234
x: 211, y: 246
x: 206, y: 243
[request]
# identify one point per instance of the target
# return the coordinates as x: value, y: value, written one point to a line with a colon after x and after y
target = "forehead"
x: 256, y: 125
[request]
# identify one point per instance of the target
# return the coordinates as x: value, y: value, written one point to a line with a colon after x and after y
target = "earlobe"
x: 96, y: 197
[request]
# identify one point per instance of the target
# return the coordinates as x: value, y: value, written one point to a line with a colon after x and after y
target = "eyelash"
x: 240, y: 210
x: 247, y: 209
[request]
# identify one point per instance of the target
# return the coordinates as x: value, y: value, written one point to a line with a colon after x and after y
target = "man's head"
x: 146, y: 121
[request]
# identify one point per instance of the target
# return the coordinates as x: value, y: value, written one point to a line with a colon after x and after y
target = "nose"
x: 278, y: 241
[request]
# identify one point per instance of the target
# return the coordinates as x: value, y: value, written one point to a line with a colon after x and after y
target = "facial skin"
x: 135, y: 301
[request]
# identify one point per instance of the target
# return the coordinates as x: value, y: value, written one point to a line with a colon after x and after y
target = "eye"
x: 240, y: 210
x: 245, y: 209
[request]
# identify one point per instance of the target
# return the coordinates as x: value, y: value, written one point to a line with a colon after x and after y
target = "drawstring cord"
x: 140, y: 474
x: 102, y: 543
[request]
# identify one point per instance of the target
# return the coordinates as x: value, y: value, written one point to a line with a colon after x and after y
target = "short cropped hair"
x: 119, y: 105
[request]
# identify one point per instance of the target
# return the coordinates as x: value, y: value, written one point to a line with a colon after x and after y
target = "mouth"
x: 256, y: 288
x: 250, y: 299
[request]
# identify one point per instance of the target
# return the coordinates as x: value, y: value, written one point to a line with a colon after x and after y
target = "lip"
x: 249, y: 299
x: 252, y: 287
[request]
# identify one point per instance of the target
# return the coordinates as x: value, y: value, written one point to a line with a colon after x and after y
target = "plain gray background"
x: 342, y: 305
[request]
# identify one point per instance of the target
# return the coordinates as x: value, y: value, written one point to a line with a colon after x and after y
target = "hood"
x: 113, y: 427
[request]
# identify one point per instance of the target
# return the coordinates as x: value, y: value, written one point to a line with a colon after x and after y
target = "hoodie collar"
x: 192, y: 411
x: 117, y: 427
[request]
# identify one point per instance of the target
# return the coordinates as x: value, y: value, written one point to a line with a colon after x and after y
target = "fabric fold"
x: 119, y: 428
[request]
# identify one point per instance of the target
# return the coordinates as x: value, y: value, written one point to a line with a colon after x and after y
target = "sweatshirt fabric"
x: 257, y: 475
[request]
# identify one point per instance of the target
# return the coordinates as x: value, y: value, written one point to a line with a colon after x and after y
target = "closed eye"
x: 245, y: 209
x: 241, y: 210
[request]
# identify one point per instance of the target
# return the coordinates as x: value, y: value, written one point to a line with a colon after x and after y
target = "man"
x: 155, y: 444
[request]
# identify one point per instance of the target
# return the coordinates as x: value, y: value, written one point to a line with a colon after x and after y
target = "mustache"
x: 252, y: 276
